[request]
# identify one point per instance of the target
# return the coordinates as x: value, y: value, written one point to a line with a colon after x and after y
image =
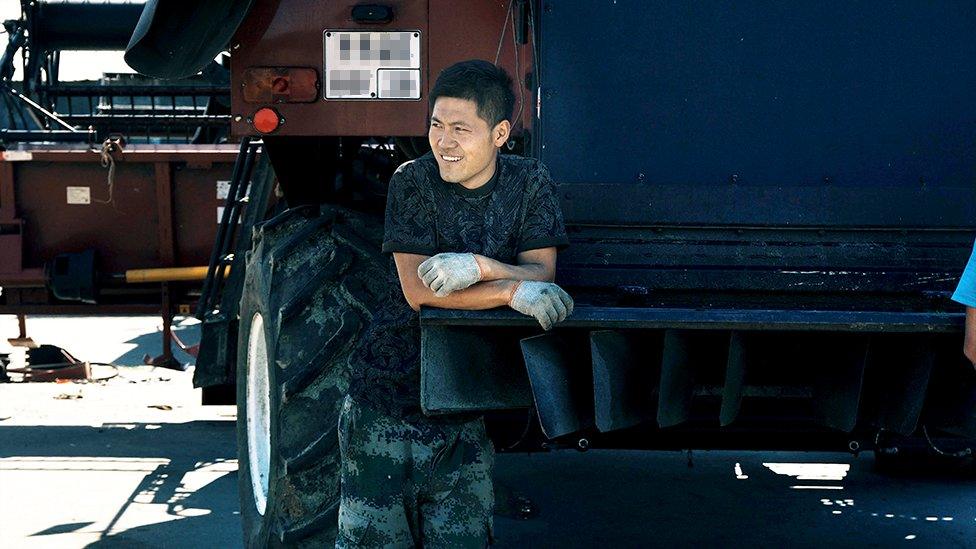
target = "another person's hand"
x: 969, y: 346
x: 545, y: 301
x: 449, y: 272
x: 969, y: 350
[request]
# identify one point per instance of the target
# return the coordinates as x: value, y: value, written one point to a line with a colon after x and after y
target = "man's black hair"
x: 488, y: 85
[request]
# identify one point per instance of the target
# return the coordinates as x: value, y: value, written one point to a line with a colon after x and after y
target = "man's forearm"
x: 492, y: 269
x: 492, y: 291
x: 480, y: 296
x: 969, y: 347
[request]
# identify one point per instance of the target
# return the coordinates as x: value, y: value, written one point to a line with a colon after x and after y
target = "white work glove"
x: 545, y: 301
x: 448, y: 272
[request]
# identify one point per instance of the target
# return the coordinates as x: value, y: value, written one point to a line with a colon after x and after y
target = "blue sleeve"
x: 966, y: 290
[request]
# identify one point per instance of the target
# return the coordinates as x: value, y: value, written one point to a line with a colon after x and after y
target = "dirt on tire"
x: 314, y: 275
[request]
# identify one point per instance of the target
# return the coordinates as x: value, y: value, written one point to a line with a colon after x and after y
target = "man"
x: 467, y: 229
x: 966, y: 294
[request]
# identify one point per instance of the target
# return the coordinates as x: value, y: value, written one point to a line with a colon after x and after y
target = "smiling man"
x: 467, y: 228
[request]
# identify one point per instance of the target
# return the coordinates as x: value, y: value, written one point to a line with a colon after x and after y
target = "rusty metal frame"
x: 7, y: 212
x: 164, y: 203
x: 170, y: 169
x: 12, y: 265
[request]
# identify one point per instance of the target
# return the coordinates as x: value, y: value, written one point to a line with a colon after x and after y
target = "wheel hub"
x: 258, y: 405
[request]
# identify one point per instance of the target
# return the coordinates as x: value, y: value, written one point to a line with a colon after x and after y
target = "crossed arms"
x: 475, y: 282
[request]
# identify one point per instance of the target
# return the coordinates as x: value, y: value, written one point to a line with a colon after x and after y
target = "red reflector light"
x: 280, y: 85
x: 266, y: 120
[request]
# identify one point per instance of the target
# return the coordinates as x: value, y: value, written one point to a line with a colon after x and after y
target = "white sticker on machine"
x: 79, y: 195
x: 220, y: 215
x: 17, y: 156
x: 372, y: 65
x: 223, y: 193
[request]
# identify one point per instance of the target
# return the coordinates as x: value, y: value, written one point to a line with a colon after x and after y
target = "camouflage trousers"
x: 417, y: 483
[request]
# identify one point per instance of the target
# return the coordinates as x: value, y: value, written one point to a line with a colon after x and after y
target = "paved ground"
x: 109, y: 469
x: 136, y: 462
x: 788, y: 499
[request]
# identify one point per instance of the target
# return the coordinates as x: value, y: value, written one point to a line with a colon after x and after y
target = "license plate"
x: 372, y: 65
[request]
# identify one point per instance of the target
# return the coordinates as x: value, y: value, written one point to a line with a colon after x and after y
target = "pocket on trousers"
x: 353, y: 529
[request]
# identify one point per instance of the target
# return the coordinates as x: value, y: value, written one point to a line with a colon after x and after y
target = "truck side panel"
x: 761, y: 93
x: 765, y: 147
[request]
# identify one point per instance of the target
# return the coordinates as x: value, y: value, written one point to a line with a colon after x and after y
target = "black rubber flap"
x: 218, y: 352
x: 950, y: 406
x: 471, y: 369
x: 562, y: 381
x: 176, y: 39
x: 899, y: 367
x: 626, y: 370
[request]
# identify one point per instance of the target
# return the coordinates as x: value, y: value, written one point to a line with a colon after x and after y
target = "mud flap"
x: 218, y: 352
x: 953, y: 411
x: 560, y: 373
x: 626, y: 369
x: 677, y: 380
x: 838, y: 379
x: 897, y: 379
x: 735, y: 379
x: 465, y: 368
x: 688, y: 363
x: 826, y: 370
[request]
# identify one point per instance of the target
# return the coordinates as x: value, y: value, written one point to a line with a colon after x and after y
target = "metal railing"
x: 147, y: 113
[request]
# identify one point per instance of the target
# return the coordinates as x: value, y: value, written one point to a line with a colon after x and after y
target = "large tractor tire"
x: 313, y: 277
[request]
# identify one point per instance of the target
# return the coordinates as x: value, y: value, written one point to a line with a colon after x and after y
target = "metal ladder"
x: 218, y: 308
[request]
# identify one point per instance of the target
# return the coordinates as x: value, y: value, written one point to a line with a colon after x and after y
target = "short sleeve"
x: 409, y: 225
x: 966, y: 289
x: 542, y: 225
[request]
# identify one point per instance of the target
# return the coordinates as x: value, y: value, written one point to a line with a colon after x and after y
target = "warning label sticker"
x: 17, y: 156
x: 79, y: 195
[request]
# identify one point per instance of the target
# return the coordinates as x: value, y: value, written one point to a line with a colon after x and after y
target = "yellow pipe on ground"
x: 172, y: 274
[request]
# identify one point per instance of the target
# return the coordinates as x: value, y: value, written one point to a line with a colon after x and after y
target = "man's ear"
x: 501, y: 132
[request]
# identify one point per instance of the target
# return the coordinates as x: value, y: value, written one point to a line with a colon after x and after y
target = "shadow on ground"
x: 732, y: 499
x: 152, y: 344
x: 187, y: 496
x: 183, y: 494
x: 204, y: 530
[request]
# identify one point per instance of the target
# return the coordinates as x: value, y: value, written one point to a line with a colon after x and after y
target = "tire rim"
x: 258, y: 413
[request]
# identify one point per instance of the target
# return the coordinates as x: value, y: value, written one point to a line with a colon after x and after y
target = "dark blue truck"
x: 769, y: 205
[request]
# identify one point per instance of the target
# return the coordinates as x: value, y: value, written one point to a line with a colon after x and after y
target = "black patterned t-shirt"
x: 516, y: 211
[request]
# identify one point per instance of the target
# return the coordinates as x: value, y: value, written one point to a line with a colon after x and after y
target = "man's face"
x: 463, y: 144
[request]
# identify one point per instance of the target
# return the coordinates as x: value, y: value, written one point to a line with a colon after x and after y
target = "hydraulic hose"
x: 174, y: 274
